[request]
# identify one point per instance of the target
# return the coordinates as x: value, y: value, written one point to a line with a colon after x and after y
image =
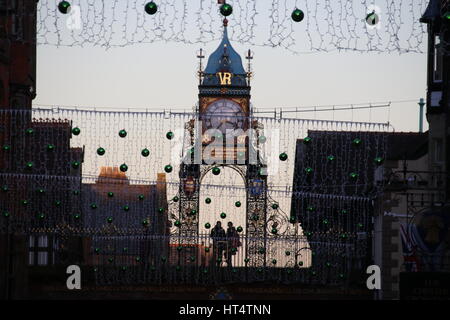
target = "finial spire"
x: 225, y: 22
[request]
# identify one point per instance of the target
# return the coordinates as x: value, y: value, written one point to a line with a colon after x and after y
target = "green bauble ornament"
x: 126, y: 208
x: 29, y: 131
x: 283, y: 156
x: 274, y: 261
x: 274, y: 231
x: 122, y: 133
x: 354, y: 176
x: 325, y: 221
x: 175, y: 199
x: 307, y: 140
x: 109, y: 219
x: 41, y: 215
x: 6, y: 214
x: 239, y: 229
x: 75, y: 164
x: 237, y: 204
x: 97, y: 250
x: 170, y: 135
x: 41, y: 191
x: 179, y: 248
x: 101, y: 151
x: 76, y: 216
x: 123, y: 167
x: 275, y: 206
x: 223, y: 215
x: 124, y: 268
x: 50, y: 147
x: 151, y: 8
x: 64, y: 7
x: 141, y: 197
x: 29, y: 165
x: 216, y: 171
x: 311, y: 209
x: 207, y: 225
x: 94, y: 206
x: 241, y: 155
x: 168, y: 168
x: 163, y: 259
x: 208, y: 200
x: 297, y: 15
x: 24, y: 202
x: 76, y: 131
x: 145, y: 222
x: 145, y: 152
x: 246, y: 260
x: 206, y: 249
x: 226, y: 9
x: 110, y: 194
x: 331, y: 158
x: 309, y: 170
x: 76, y: 192
x: 177, y: 223
x: 261, y: 250
x: 6, y: 147
x: 262, y: 139
x: 288, y: 253
x: 193, y: 212
x: 357, y: 142
x: 161, y: 210
x: 378, y: 161
x: 5, y: 188
x: 110, y: 260
x: 344, y: 211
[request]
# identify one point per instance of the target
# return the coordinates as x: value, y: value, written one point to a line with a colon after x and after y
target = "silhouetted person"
x: 219, y: 242
x: 232, y: 242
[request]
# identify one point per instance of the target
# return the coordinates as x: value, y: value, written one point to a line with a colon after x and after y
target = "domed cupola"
x: 224, y: 66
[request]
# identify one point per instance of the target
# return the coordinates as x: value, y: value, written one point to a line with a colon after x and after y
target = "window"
x: 40, y: 251
x: 438, y: 60
x: 438, y: 152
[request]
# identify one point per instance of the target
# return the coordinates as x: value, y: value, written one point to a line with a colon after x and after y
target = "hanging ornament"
x: 331, y: 158
x: 109, y: 219
x: 297, y: 15
x: 344, y: 211
x: 308, y: 170
x: 5, y: 188
x: 208, y: 200
x: 216, y: 171
x: 372, y: 18
x: 354, y: 176
x: 94, y: 206
x: 41, y: 216
x: 6, y: 147
x: 123, y: 167
x: 76, y: 131
x: 237, y: 204
x: 64, y: 7
x: 206, y: 249
x: 24, y: 202
x: 262, y: 139
x: 262, y: 250
x: 288, y: 253
x: 239, y: 229
x: 170, y: 135
x: 76, y: 216
x: 274, y: 261
x: 274, y: 231
x: 29, y: 165
x: 207, y: 225
x: 126, y: 208
x: 110, y: 194
x: 29, y: 131
x: 151, y: 8
x: 41, y: 191
x: 357, y: 142
x: 175, y: 199
x: 161, y: 210
x: 283, y: 156
x: 6, y: 214
x: 122, y: 133
x: 275, y: 206
x: 177, y: 223
x: 241, y: 155
x: 168, y: 168
x: 75, y: 164
x: 223, y: 215
x: 193, y: 212
x: 100, y: 151
x: 145, y: 152
x: 141, y: 197
x: 145, y: 222
x: 307, y: 140
x: 378, y: 161
x: 226, y: 9
x: 50, y: 147
x: 75, y: 192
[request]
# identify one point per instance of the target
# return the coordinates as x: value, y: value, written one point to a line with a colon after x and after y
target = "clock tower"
x: 224, y: 134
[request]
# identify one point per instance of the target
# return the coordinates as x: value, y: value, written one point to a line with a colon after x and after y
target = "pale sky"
x: 162, y: 75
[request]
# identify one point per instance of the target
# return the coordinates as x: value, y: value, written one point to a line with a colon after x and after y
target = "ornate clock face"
x: 224, y: 115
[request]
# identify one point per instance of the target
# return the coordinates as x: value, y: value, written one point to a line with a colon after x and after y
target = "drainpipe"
x: 421, y: 105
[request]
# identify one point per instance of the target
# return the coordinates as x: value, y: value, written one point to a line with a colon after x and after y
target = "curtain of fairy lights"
x: 324, y: 25
x: 112, y: 178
